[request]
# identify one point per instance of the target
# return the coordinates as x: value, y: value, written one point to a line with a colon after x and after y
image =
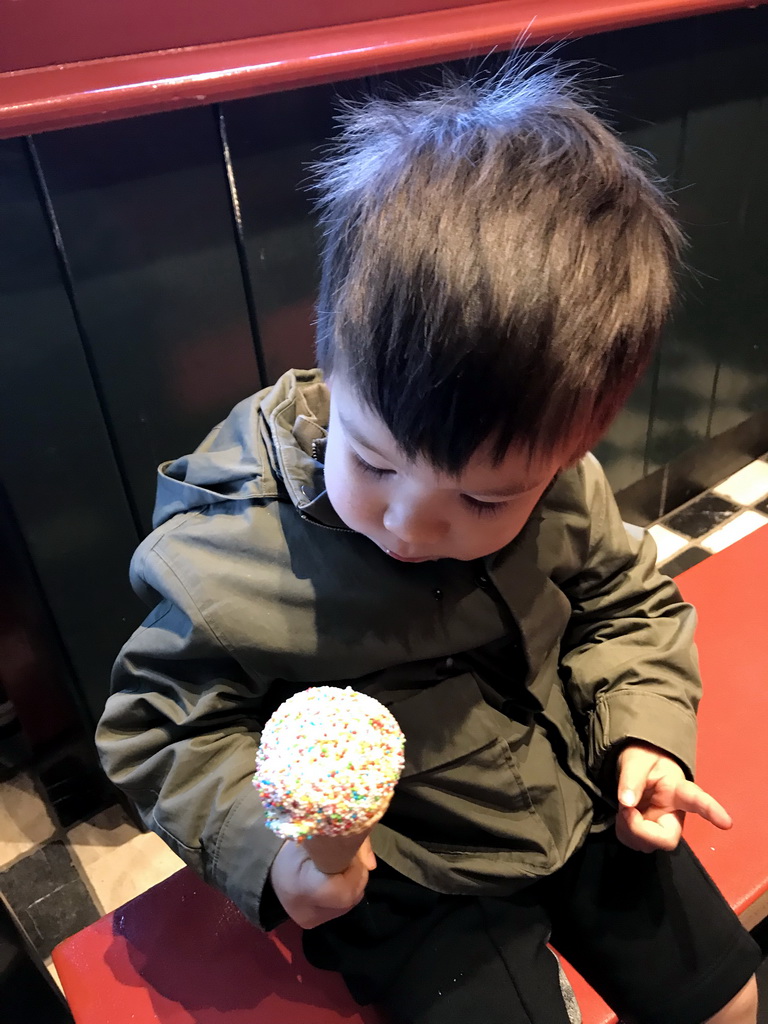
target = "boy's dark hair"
x: 496, y: 267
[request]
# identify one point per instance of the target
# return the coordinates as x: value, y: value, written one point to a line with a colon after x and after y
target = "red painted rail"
x: 288, y: 48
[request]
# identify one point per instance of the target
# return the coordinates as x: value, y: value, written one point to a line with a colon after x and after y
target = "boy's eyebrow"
x: 507, y: 492
x: 361, y: 440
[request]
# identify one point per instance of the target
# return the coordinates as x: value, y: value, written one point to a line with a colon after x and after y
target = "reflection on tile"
x: 734, y: 530
x: 37, y: 875
x: 701, y: 515
x: 748, y: 485
x: 118, y: 861
x: 48, y: 896
x: 25, y: 818
x: 667, y: 543
x: 685, y: 560
x: 57, y: 916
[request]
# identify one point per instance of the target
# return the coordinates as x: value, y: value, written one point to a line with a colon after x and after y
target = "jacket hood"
x: 271, y: 446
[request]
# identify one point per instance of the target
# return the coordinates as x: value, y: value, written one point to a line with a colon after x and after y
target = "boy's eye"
x: 368, y: 468
x: 484, y: 508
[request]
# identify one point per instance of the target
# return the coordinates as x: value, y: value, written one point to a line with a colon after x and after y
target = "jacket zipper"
x: 325, y: 526
x: 309, y: 519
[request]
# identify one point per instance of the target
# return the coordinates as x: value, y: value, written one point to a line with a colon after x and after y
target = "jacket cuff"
x: 242, y: 858
x: 626, y: 715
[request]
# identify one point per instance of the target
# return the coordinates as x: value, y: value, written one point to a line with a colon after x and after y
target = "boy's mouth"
x: 402, y: 558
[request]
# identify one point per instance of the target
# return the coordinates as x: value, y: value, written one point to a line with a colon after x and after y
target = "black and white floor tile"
x: 60, y: 872
x: 714, y: 520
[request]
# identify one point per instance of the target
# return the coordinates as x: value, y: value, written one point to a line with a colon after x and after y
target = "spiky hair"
x: 497, y: 264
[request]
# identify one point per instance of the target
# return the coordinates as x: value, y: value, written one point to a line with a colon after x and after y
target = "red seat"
x: 730, y: 592
x: 182, y: 954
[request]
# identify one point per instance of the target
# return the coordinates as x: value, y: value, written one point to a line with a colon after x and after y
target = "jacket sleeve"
x: 628, y: 660
x: 179, y: 735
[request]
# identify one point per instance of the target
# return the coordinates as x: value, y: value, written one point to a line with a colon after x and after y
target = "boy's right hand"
x: 310, y: 897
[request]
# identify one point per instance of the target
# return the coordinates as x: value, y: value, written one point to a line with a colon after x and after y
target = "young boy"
x: 419, y: 520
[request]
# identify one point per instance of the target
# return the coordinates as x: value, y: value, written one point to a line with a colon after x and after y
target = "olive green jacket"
x: 514, y: 678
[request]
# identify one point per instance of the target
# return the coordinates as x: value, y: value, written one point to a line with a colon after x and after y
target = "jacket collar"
x: 297, y: 416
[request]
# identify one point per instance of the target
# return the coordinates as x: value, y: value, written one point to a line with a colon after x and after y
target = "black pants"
x: 650, y: 932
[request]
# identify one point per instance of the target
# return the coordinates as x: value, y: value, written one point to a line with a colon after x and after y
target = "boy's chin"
x: 398, y: 557
x: 416, y: 559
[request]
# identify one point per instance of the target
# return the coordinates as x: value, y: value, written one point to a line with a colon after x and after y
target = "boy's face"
x: 414, y: 512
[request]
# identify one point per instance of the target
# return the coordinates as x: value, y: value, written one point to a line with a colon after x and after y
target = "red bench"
x: 182, y: 954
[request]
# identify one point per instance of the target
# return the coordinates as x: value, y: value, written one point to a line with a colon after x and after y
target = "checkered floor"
x: 60, y: 874
x: 713, y: 521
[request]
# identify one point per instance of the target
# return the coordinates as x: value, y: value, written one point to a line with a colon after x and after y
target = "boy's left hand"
x: 654, y: 795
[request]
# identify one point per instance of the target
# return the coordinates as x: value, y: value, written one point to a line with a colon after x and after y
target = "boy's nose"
x: 415, y: 526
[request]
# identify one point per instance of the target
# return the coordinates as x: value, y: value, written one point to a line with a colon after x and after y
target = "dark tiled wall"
x: 155, y: 271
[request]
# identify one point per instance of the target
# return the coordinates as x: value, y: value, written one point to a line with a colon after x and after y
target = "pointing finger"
x: 692, y: 798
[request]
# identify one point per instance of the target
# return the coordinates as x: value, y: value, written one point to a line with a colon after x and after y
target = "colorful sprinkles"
x: 328, y: 762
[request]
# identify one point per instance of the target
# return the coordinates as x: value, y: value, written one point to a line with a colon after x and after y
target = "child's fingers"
x: 343, y: 891
x: 366, y: 855
x: 647, y: 834
x: 626, y: 833
x: 633, y: 776
x: 692, y: 798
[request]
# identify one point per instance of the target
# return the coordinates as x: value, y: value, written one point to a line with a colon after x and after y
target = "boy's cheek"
x: 348, y: 511
x: 486, y: 539
x: 351, y: 508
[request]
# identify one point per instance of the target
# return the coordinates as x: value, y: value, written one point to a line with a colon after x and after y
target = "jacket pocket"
x: 462, y: 789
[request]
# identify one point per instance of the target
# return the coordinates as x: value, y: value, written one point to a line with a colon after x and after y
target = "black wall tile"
x: 144, y: 212
x: 76, y: 786
x: 57, y: 466
x: 724, y: 209
x: 273, y: 140
x: 705, y: 465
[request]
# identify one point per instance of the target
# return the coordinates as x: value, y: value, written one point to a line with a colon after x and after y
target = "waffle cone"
x: 334, y: 854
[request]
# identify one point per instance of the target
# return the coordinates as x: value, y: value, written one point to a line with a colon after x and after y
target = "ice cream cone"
x: 334, y: 854
x: 326, y: 770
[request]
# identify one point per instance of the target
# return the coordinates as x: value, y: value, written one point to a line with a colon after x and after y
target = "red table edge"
x: 87, y: 92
